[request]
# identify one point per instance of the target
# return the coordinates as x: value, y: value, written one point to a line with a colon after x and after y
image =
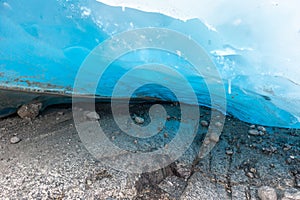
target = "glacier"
x: 255, y: 46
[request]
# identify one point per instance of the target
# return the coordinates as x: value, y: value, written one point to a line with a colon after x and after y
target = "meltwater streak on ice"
x: 254, y: 45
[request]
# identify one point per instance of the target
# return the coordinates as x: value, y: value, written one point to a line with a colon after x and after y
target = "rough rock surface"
x: 52, y: 162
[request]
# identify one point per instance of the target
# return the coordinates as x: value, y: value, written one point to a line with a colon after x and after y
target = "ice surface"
x: 254, y: 44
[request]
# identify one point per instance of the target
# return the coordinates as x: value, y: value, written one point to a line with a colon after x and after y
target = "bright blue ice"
x: 45, y: 42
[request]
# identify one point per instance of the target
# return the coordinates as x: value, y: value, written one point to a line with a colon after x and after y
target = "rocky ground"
x: 44, y: 158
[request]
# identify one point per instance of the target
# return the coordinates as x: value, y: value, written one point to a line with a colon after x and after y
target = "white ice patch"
x: 6, y: 5
x: 85, y: 12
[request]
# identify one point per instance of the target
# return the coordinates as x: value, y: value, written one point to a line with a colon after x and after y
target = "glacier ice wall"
x: 255, y: 46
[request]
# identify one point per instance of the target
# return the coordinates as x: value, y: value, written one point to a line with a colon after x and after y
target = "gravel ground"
x: 44, y: 158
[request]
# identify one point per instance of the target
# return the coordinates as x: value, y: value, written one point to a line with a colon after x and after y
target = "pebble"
x: 250, y: 175
x: 29, y: 111
x: 252, y: 170
x: 15, y: 140
x: 204, y: 123
x: 252, y: 126
x: 139, y: 120
x: 287, y: 147
x: 267, y: 193
x: 214, y: 138
x: 184, y: 170
x: 60, y: 113
x: 269, y: 150
x: 92, y: 115
x: 218, y: 124
x: 89, y: 182
x: 229, y: 152
x: 253, y: 132
x: 261, y: 128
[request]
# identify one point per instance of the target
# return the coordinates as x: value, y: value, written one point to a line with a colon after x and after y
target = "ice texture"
x: 254, y: 44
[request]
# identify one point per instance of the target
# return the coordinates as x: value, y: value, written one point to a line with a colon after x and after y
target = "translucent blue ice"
x: 43, y: 44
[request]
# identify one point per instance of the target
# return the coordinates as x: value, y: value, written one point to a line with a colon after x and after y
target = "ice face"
x: 255, y: 46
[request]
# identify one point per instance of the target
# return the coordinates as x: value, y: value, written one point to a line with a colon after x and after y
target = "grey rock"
x: 229, y: 152
x: 218, y: 124
x: 204, y: 123
x: 252, y: 126
x: 29, y: 111
x: 267, y: 193
x: 15, y: 140
x: 250, y: 174
x: 139, y: 120
x: 183, y: 169
x: 287, y: 147
x: 214, y: 137
x: 92, y: 115
x: 253, y: 132
x: 261, y: 128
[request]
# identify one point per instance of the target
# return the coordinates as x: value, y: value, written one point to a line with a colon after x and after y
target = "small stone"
x: 92, y: 115
x: 89, y: 182
x: 267, y: 193
x: 214, y: 138
x: 261, y: 128
x: 218, y: 124
x: 15, y: 140
x: 229, y: 152
x: 184, y: 170
x: 253, y: 132
x: 29, y: 111
x: 287, y: 147
x: 139, y: 120
x: 166, y: 135
x: 269, y: 150
x: 60, y: 113
x: 250, y: 175
x: 206, y: 141
x: 204, y: 123
x: 252, y: 170
x: 252, y: 126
